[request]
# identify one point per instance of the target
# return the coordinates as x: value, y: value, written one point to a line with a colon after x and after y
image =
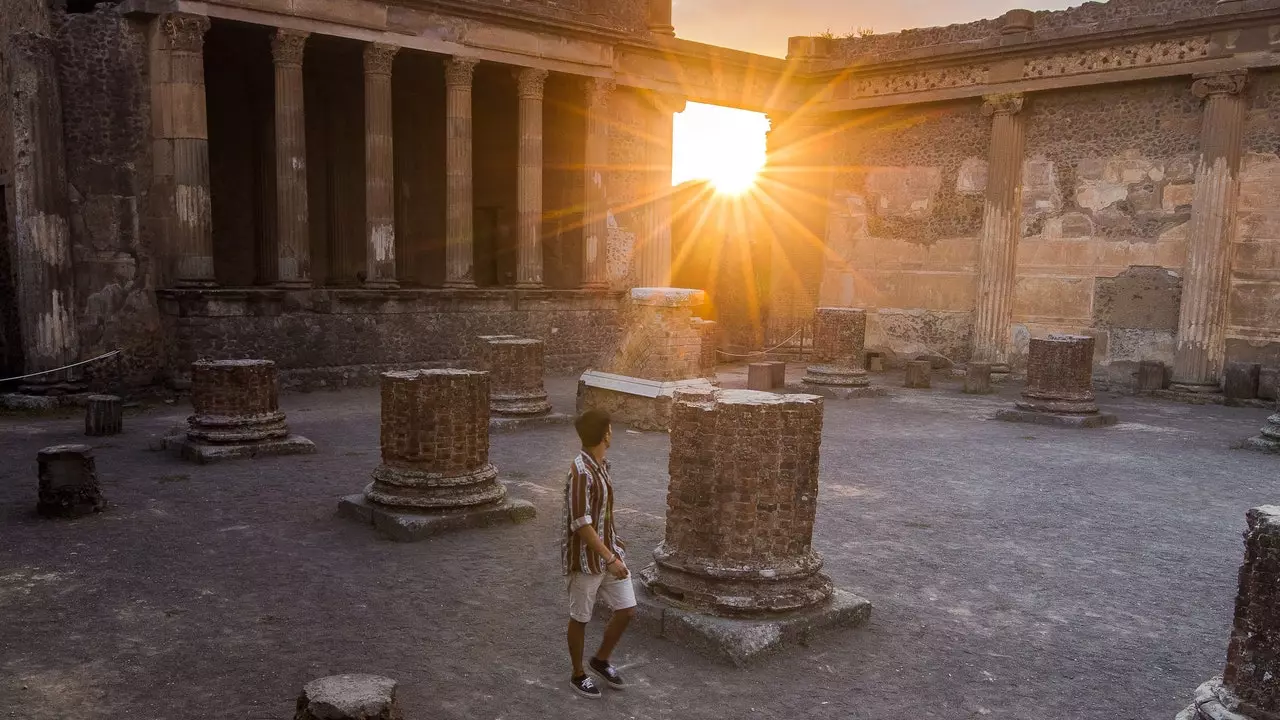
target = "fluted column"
x: 1001, y: 228
x: 595, y: 232
x: 1206, y: 276
x: 531, y: 83
x: 459, y: 73
x: 660, y: 18
x: 181, y: 132
x: 293, y: 236
x: 653, y: 255
x: 379, y: 163
x: 41, y: 235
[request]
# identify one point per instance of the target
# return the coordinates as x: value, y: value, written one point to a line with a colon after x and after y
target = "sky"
x: 719, y: 143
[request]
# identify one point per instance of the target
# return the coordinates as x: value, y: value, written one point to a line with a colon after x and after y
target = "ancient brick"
x: 516, y: 377
x: 839, y: 339
x: 760, y: 377
x: 235, y: 401
x: 1253, y: 653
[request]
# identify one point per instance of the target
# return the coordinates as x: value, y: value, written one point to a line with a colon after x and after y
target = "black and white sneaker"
x: 585, y: 686
x: 608, y: 673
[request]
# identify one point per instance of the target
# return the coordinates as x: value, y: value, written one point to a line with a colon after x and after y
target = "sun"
x: 722, y: 145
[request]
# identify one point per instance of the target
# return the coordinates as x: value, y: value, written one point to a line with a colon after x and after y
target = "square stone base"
x: 837, y: 392
x: 508, y: 423
x: 744, y: 641
x: 204, y: 453
x: 408, y: 526
x: 1071, y: 421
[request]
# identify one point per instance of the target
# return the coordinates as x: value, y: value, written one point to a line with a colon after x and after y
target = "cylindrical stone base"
x: 977, y: 378
x: 919, y: 375
x: 104, y: 415
x: 435, y: 442
x: 839, y: 339
x: 349, y: 697
x: 68, y: 482
x: 235, y: 401
x: 741, y: 504
x: 1060, y: 376
x: 516, y: 368
x: 1269, y: 439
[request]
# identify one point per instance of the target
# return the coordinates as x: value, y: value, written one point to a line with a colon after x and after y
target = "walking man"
x: 594, y: 556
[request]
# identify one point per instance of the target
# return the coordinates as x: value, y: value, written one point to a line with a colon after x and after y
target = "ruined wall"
x: 629, y: 16
x: 1253, y: 320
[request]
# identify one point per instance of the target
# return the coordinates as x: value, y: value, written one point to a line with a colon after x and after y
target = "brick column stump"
x: 736, y: 575
x: 839, y: 344
x: 517, y: 395
x: 435, y: 474
x: 68, y: 482
x: 977, y: 378
x: 237, y: 414
x: 1059, y: 388
x: 919, y: 375
x: 104, y: 415
x: 709, y: 331
x: 349, y: 697
x: 1249, y: 688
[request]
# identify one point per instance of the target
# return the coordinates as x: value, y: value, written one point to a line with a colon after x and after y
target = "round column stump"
x: 349, y: 697
x: 516, y: 368
x: 1059, y: 388
x: 1269, y: 439
x: 104, y: 415
x: 839, y: 340
x: 235, y: 401
x: 68, y: 482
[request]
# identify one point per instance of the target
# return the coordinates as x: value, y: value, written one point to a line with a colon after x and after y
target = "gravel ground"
x: 1017, y: 572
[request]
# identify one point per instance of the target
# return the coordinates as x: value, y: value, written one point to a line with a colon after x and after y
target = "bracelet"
x: 614, y: 560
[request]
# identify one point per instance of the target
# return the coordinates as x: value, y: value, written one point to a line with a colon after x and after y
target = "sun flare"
x: 722, y: 145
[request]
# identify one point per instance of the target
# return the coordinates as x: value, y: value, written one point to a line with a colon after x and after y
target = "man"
x: 594, y: 556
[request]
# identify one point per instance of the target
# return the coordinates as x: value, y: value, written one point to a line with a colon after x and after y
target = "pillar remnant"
x: 1059, y: 388
x: 68, y: 482
x: 103, y: 415
x: 1240, y: 381
x: 237, y: 414
x: 736, y: 572
x: 435, y: 473
x: 760, y: 377
x: 530, y: 84
x: 839, y: 341
x: 1268, y: 440
x: 595, y: 229
x: 709, y: 331
x: 1249, y: 688
x: 459, y: 187
x: 977, y: 378
x: 1206, y: 278
x: 349, y: 697
x: 518, y: 396
x: 919, y: 375
x: 380, y: 214
x: 1151, y: 375
x: 293, y: 265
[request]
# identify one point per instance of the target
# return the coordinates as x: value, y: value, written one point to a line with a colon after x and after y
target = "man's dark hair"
x: 591, y: 426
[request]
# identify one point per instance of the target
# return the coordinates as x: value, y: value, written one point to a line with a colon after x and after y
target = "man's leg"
x: 621, y: 598
x: 612, y: 634
x: 582, y: 598
x: 577, y: 638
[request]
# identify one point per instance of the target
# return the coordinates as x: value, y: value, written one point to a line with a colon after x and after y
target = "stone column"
x: 595, y: 231
x: 1001, y: 228
x: 653, y: 255
x: 379, y: 163
x: 839, y: 340
x: 181, y: 131
x: 660, y: 18
x: 459, y: 220
x: 531, y: 83
x: 516, y: 369
x: 68, y: 482
x: 1206, y: 277
x: 1268, y: 440
x: 709, y: 334
x: 293, y: 266
x: 41, y: 236
x: 1059, y: 388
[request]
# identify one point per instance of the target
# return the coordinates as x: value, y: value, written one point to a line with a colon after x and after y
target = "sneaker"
x: 585, y: 687
x: 608, y: 673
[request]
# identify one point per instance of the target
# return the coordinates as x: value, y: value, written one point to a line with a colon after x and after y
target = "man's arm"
x: 613, y: 563
x: 580, y: 510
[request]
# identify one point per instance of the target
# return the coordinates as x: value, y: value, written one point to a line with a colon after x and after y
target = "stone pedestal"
x: 435, y: 473
x: 660, y: 351
x: 517, y: 395
x: 104, y: 415
x: 919, y: 375
x: 736, y: 574
x: 875, y: 362
x: 1249, y: 688
x: 237, y: 414
x: 1059, y: 387
x: 1269, y: 383
x: 839, y: 340
x: 709, y: 331
x: 1268, y: 440
x: 349, y: 697
x: 1240, y: 381
x: 977, y: 378
x: 1151, y: 375
x: 68, y: 482
x: 760, y: 377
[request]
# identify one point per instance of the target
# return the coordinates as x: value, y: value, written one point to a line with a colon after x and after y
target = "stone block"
x: 68, y: 482
x: 1151, y: 375
x: 1095, y: 420
x: 1240, y: 380
x: 779, y: 369
x: 498, y: 423
x: 875, y: 362
x: 1269, y: 383
x: 237, y: 414
x: 516, y: 369
x: 182, y: 446
x: 1268, y: 440
x: 977, y: 378
x: 639, y: 403
x: 760, y: 377
x: 404, y: 525
x: 349, y: 697
x: 919, y: 374
x: 103, y: 415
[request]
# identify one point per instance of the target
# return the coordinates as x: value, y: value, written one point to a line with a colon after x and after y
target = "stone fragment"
x: 760, y: 377
x: 435, y: 473
x: 709, y: 331
x: 1269, y: 383
x: 1151, y: 375
x: 779, y: 370
x: 875, y: 362
x: 977, y: 378
x: 516, y: 369
x: 103, y: 415
x: 68, y: 482
x: 736, y: 573
x: 1240, y: 381
x: 1059, y: 388
x: 919, y: 374
x: 1268, y: 440
x: 349, y: 697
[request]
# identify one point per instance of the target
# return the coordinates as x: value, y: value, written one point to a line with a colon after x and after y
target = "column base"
x: 1095, y: 420
x: 294, y: 284
x: 509, y: 424
x: 594, y: 285
x: 529, y: 286
x: 381, y: 284
x: 195, y: 284
x: 1214, y: 701
x: 204, y: 453
x: 404, y: 525
x: 459, y: 285
x: 1201, y: 388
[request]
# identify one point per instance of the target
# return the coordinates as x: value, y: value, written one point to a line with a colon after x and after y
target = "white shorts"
x: 583, y: 588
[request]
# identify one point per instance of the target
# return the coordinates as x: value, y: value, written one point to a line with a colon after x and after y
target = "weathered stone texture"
x: 741, y: 505
x: 660, y: 341
x: 1059, y: 376
x: 516, y: 370
x: 349, y: 697
x: 1137, y: 311
x: 68, y: 482
x: 235, y: 401
x: 839, y: 341
x: 709, y: 332
x: 1253, y: 653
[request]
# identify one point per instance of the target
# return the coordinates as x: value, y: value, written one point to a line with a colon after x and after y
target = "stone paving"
x: 1017, y: 572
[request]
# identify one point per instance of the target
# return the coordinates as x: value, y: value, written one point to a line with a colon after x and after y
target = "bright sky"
x: 727, y: 146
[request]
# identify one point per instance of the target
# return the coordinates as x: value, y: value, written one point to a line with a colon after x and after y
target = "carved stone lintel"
x: 598, y: 92
x: 378, y: 58
x: 1228, y: 83
x: 666, y: 102
x: 460, y: 71
x: 531, y: 82
x: 1003, y: 104
x: 287, y: 46
x: 185, y: 32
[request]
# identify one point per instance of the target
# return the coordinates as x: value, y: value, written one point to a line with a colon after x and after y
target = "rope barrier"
x: 64, y: 367
x: 763, y: 352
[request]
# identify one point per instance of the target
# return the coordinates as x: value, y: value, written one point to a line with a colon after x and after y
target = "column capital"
x: 378, y: 58
x: 598, y: 92
x: 1002, y: 104
x: 185, y: 32
x: 1227, y: 83
x: 460, y: 71
x: 287, y: 46
x: 530, y: 82
x: 666, y: 102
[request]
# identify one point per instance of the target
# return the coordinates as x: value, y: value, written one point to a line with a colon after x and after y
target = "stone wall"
x: 1253, y: 320
x: 630, y: 16
x: 331, y: 338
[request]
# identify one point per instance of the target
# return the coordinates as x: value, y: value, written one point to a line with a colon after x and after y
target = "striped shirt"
x: 588, y: 500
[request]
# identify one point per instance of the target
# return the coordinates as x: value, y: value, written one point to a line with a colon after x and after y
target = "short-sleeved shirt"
x: 588, y: 500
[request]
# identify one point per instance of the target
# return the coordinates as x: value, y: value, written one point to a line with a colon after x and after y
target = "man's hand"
x: 618, y: 569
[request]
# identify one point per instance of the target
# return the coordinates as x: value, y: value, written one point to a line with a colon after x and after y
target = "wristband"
x: 614, y: 560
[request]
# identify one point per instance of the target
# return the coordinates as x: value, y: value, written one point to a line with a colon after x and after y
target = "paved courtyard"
x: 1017, y: 572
